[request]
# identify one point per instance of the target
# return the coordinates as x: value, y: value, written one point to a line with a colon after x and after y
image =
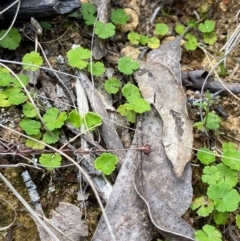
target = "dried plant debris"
x: 159, y: 86
x: 166, y: 197
x: 125, y: 209
x: 65, y: 223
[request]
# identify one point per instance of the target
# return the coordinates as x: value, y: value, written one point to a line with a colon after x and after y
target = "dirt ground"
x: 62, y: 185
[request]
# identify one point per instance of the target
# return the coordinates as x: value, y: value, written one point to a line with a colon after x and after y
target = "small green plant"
x: 97, y: 68
x: 119, y: 16
x: 126, y: 65
x: 33, y: 58
x: 103, y: 30
x: 207, y: 27
x: 225, y: 198
x: 46, y: 25
x: 209, y: 38
x: 77, y: 57
x: 203, y: 205
x: 106, y: 163
x: 220, y: 217
x: 208, y: 233
x: 112, y: 85
x: 180, y: 29
x: 211, y: 120
x: 153, y: 43
x: 88, y: 11
x: 51, y: 137
x: 11, y: 40
x: 74, y: 118
x: 222, y: 178
x: 143, y: 39
x: 31, y: 127
x: 29, y: 110
x: 11, y: 92
x: 54, y: 119
x: 161, y: 29
x: 136, y: 38
x: 191, y: 23
x: 50, y: 161
x: 206, y: 156
x: 135, y: 104
x: 34, y: 144
x: 231, y: 156
x: 191, y: 43
x: 92, y: 119
x: 223, y: 70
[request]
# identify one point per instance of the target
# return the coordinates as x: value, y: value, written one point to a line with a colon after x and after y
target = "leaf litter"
x: 150, y: 194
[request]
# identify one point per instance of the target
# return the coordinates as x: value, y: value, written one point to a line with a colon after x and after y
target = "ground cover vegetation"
x: 219, y: 175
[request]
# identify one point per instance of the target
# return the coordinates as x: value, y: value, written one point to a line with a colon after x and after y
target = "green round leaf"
x: 34, y: 144
x: 23, y: 77
x: 4, y: 102
x: 138, y: 105
x: 76, y: 57
x: 191, y: 23
x: 208, y: 233
x: 92, y: 120
x: 207, y: 27
x: 75, y: 119
x: 33, y: 58
x: 11, y: 40
x: 161, y: 29
x: 119, y: 16
x: 88, y: 10
x: 212, y: 121
x: 15, y: 96
x: 210, y: 38
x: 225, y: 198
x: 203, y: 205
x: 227, y: 175
x: 231, y: 156
x: 210, y: 175
x: 53, y: 119
x: 134, y: 38
x: 180, y: 29
x: 106, y: 163
x: 190, y: 45
x: 131, y: 91
x: 153, y: 43
x: 50, y: 161
x: 5, y: 79
x: 220, y: 217
x: 29, y: 110
x: 126, y: 65
x: 97, y: 68
x: 31, y: 127
x: 205, y: 156
x: 130, y: 114
x: 143, y: 39
x: 104, y: 30
x: 51, y: 138
x: 112, y: 85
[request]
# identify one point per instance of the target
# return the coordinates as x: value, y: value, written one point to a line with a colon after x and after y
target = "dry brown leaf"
x: 66, y: 223
x: 125, y: 210
x: 166, y: 197
x: 160, y: 87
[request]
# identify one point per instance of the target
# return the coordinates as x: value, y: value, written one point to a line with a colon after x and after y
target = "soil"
x: 61, y: 185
